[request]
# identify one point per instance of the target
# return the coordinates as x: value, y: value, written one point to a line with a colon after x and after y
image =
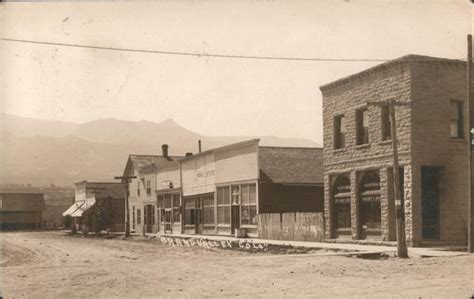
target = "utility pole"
x: 470, y: 210
x: 127, y: 212
x: 402, y: 250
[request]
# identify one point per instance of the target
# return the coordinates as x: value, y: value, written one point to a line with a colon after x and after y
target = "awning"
x: 73, y: 208
x: 84, y: 207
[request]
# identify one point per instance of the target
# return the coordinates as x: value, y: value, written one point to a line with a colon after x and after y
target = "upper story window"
x: 456, y: 119
x: 386, y: 123
x: 138, y: 188
x: 362, y: 126
x: 339, y: 132
x: 148, y: 187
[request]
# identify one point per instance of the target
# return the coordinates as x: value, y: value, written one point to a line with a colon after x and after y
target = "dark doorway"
x: 193, y: 215
x: 149, y: 218
x: 430, y: 202
x: 235, y: 224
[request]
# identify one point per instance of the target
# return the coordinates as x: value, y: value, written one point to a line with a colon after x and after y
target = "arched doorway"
x: 342, y: 205
x: 370, y: 214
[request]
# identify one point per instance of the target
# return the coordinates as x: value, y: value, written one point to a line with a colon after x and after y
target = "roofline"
x: 303, y: 184
x: 157, y: 166
x: 141, y: 155
x: 95, y: 182
x: 293, y: 147
x: 406, y: 59
x: 169, y: 163
x: 225, y: 147
x: 29, y: 193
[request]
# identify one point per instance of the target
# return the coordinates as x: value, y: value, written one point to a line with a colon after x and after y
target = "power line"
x: 231, y: 56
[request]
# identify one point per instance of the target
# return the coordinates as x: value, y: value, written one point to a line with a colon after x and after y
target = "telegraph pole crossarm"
x: 127, y: 212
x: 402, y: 250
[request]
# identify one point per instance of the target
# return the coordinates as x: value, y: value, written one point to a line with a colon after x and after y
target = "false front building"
x: 140, y: 189
x: 432, y: 140
x: 98, y: 199
x: 221, y: 191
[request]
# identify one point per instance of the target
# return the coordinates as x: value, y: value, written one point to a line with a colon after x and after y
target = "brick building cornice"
x: 404, y: 60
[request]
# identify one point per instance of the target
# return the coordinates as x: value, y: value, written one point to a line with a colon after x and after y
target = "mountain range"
x: 44, y: 152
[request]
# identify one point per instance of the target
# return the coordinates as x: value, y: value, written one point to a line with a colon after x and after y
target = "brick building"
x: 21, y: 210
x: 432, y: 144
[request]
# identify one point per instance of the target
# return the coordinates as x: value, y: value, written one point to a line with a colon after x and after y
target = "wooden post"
x: 470, y: 210
x: 401, y: 240
x: 127, y: 212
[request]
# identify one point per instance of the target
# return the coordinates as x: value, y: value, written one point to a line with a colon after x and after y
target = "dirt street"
x: 52, y: 264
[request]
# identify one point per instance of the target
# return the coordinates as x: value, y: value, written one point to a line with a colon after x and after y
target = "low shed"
x: 21, y: 210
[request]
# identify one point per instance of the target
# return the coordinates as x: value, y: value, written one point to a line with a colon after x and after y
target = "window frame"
x: 224, y: 205
x: 341, y: 202
x: 459, y: 121
x: 362, y: 132
x: 339, y: 132
x: 249, y: 204
x: 133, y: 218
x: 148, y: 187
x: 386, y: 122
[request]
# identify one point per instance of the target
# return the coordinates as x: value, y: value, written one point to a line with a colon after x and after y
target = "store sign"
x: 167, y: 184
x: 205, y: 174
x: 370, y: 198
x: 343, y: 189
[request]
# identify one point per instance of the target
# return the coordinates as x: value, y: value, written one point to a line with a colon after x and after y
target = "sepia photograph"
x: 253, y: 149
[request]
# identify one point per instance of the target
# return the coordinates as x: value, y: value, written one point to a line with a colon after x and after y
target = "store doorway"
x: 430, y: 202
x: 235, y: 215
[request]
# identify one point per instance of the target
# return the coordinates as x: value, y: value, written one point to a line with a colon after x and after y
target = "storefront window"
x: 370, y: 210
x: 176, y: 208
x: 167, y: 199
x: 208, y: 210
x: 249, y: 205
x: 235, y: 194
x: 342, y: 202
x: 161, y: 210
x: 223, y: 205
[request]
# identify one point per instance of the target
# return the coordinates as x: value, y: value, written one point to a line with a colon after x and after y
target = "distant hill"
x: 23, y: 126
x: 42, y: 152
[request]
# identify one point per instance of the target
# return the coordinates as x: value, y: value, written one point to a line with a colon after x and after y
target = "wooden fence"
x: 291, y: 226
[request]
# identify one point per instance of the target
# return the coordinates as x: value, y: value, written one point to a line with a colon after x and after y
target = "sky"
x: 212, y: 96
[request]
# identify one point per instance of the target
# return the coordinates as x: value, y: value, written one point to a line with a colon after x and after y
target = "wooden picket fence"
x: 291, y: 226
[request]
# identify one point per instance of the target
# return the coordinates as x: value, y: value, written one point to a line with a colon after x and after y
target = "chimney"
x: 189, y: 154
x: 164, y: 150
x: 199, y: 145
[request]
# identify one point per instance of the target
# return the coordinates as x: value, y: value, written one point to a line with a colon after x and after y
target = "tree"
x: 99, y: 217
